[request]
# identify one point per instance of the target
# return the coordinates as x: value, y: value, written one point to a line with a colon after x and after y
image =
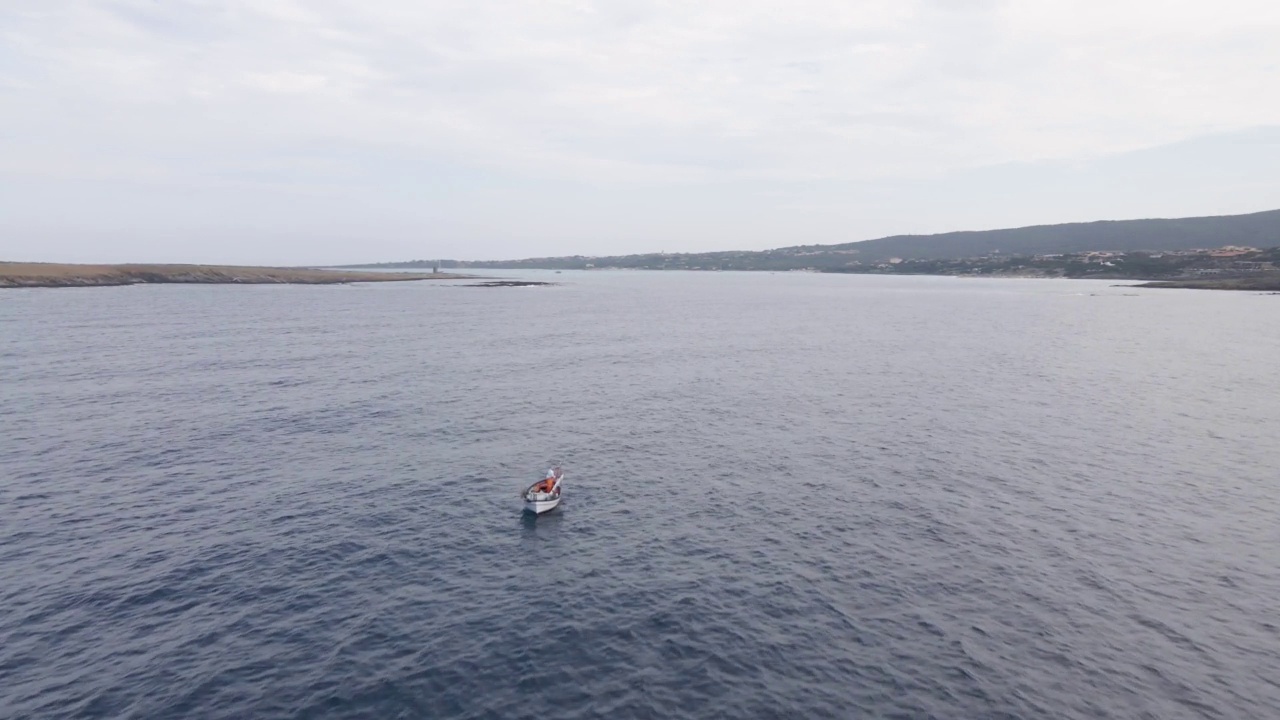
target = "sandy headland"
x: 31, y: 275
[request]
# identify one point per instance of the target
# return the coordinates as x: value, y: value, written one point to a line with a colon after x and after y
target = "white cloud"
x: 326, y: 96
x: 286, y: 82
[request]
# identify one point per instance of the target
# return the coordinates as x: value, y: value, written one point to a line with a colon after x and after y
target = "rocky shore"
x: 1266, y: 283
x: 31, y: 275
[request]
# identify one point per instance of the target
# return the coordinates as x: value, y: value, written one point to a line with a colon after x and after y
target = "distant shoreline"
x: 55, y: 275
x: 1258, y: 284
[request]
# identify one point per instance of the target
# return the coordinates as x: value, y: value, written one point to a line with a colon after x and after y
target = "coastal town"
x: 1225, y: 263
x: 1228, y: 262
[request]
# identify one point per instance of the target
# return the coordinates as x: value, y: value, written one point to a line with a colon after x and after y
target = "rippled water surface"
x: 787, y: 495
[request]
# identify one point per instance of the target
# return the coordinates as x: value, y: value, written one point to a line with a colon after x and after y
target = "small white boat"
x: 544, y: 495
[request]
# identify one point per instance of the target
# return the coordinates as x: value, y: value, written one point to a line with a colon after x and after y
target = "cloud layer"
x: 324, y: 131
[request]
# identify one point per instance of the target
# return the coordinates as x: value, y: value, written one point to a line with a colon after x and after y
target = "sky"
x: 328, y: 132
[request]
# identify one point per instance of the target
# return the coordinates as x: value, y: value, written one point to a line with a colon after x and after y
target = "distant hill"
x: 1260, y: 229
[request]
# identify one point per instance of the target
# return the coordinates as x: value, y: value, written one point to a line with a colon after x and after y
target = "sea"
x: 786, y: 495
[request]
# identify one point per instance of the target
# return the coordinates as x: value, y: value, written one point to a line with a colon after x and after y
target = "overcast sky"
x: 319, y: 131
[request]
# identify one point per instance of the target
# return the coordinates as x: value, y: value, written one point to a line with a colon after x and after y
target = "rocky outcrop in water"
x: 1264, y: 283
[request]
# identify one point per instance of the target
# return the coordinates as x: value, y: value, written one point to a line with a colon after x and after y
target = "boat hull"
x: 537, y: 507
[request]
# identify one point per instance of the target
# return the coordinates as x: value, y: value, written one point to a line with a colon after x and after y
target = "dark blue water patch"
x: 791, y: 496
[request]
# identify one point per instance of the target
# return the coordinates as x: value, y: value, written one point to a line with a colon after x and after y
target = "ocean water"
x: 786, y: 495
